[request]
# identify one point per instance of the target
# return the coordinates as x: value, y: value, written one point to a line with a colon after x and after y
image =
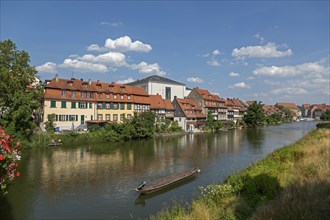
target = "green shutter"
x: 111, y: 105
x: 56, y: 117
x: 53, y: 104
x: 67, y: 118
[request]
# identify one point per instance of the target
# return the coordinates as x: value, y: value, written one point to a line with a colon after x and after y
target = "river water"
x: 97, y: 181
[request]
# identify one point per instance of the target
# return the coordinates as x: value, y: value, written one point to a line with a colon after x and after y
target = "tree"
x: 49, y: 124
x: 20, y: 94
x: 326, y: 115
x: 288, y: 114
x: 144, y: 124
x: 255, y: 115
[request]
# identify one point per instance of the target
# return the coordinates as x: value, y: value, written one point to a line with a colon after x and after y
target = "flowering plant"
x: 9, y: 157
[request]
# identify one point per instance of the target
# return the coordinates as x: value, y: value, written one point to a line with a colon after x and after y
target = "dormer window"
x: 100, y: 95
x: 114, y: 96
x: 107, y: 96
x: 111, y: 88
x: 63, y: 92
x: 85, y: 85
x: 121, y: 97
x: 99, y: 86
x: 70, y: 83
x: 128, y: 97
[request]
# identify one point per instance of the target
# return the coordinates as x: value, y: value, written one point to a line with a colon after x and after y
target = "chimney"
x: 81, y: 79
x: 56, y: 77
x: 89, y: 81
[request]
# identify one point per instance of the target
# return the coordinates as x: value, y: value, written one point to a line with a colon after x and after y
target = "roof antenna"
x: 72, y: 74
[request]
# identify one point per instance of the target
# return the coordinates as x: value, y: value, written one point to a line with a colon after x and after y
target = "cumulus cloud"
x: 195, y: 80
x: 216, y: 52
x: 152, y: 69
x: 48, y: 67
x: 111, y: 58
x: 83, y: 66
x: 122, y: 44
x: 124, y: 81
x: 213, y: 63
x: 240, y: 85
x: 233, y: 74
x: 258, y: 36
x: 312, y: 68
x: 266, y: 51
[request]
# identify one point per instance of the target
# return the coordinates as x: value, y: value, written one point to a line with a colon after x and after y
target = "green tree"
x: 20, y: 94
x: 326, y: 115
x: 209, y: 120
x: 255, y: 115
x: 49, y: 124
x: 288, y: 114
x: 144, y: 124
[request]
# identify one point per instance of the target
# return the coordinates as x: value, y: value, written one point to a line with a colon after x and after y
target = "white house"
x: 167, y: 88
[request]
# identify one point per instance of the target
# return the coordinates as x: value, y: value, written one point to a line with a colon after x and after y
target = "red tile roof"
x: 288, y: 105
x: 190, y: 108
x: 157, y: 102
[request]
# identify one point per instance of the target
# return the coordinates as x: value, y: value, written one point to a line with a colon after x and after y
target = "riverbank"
x: 290, y: 183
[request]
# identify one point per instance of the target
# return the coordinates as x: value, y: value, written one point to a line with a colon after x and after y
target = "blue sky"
x: 267, y: 51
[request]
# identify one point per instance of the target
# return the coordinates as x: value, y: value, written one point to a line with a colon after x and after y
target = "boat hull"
x: 167, y: 181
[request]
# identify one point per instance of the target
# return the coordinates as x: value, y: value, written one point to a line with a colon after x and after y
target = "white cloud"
x: 152, y: 69
x: 240, y: 85
x: 83, y: 66
x: 113, y: 24
x: 111, y: 58
x: 48, y: 67
x: 233, y: 74
x: 288, y: 90
x: 266, y: 51
x: 195, y: 80
x: 216, y: 52
x: 124, y: 81
x: 312, y: 69
x: 121, y: 44
x: 95, y: 47
x: 213, y: 63
x: 258, y: 36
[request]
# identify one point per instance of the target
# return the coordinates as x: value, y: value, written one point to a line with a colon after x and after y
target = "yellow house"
x: 72, y: 101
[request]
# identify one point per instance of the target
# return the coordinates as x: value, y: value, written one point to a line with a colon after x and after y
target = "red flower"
x: 18, y: 173
x: 2, y: 157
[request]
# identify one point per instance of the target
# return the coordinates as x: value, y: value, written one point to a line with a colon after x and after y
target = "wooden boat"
x: 55, y: 144
x: 162, y: 183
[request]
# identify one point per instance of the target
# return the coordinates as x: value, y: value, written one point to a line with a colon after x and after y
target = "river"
x: 97, y: 181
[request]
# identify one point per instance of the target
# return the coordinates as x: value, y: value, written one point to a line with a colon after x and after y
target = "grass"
x: 290, y: 183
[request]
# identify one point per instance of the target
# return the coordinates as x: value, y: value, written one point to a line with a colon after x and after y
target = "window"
x: 114, y: 96
x: 107, y: 105
x: 107, y: 117
x: 90, y: 105
x: 100, y: 117
x: 122, y: 106
x: 63, y: 104
x: 62, y: 118
x: 73, y: 94
x: 168, y: 93
x: 63, y: 92
x: 129, y: 116
x: 129, y: 106
x: 121, y: 97
x: 99, y: 105
x: 128, y: 97
x: 88, y: 95
x: 82, y: 94
x: 122, y: 116
x: 100, y: 95
x: 115, y: 105
x: 53, y: 104
x: 73, y: 104
x: 73, y: 117
x: 82, y: 104
x: 107, y: 96
x: 115, y: 117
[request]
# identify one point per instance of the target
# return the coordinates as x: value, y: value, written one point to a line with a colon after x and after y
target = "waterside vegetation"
x: 290, y: 183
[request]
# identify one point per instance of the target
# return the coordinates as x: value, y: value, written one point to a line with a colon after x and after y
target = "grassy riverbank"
x: 290, y: 183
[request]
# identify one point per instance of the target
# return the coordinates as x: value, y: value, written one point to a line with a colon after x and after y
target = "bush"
x: 9, y: 157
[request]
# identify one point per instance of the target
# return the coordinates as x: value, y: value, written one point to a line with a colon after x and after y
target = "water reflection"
x: 98, y: 181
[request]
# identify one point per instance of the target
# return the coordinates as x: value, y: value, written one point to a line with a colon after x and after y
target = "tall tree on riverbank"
x: 255, y: 115
x: 19, y: 92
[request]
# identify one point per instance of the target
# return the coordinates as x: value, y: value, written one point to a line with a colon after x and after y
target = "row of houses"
x: 77, y: 103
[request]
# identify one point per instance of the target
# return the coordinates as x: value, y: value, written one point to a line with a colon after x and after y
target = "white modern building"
x: 167, y: 88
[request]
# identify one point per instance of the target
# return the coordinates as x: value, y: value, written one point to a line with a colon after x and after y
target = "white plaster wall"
x: 158, y: 88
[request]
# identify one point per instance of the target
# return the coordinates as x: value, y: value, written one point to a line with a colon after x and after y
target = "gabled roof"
x: 190, y: 108
x: 157, y: 102
x: 155, y: 79
x: 288, y: 105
